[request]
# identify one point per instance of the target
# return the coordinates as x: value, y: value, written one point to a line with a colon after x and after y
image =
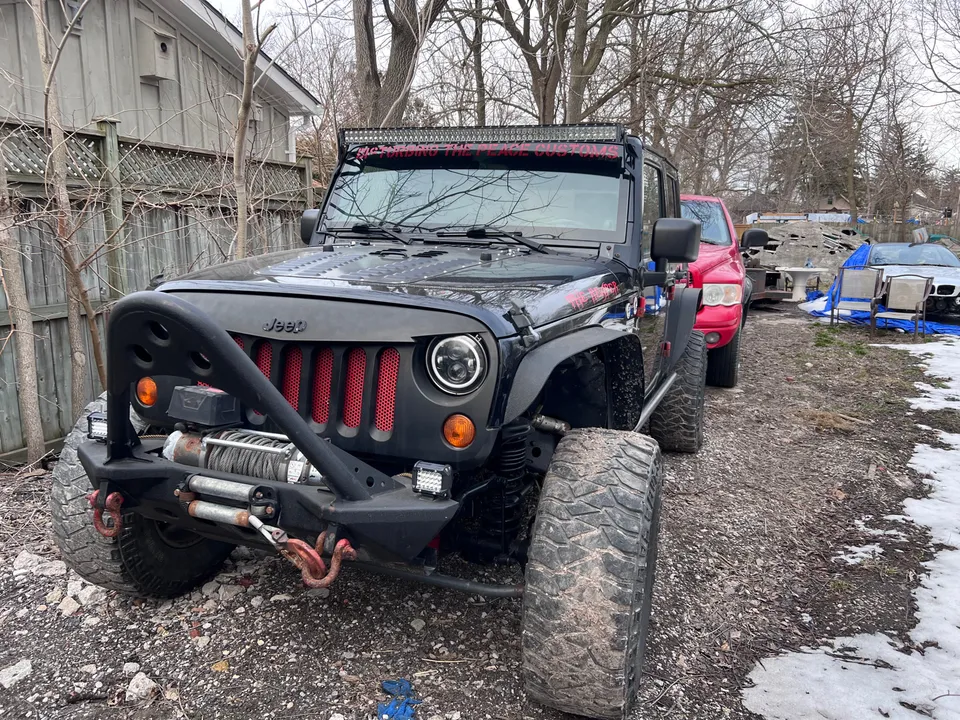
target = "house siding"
x: 99, y: 75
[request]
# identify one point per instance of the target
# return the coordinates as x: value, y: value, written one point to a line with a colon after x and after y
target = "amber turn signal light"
x: 147, y: 391
x: 459, y: 431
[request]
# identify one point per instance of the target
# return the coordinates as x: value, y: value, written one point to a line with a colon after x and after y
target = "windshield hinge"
x: 524, y: 324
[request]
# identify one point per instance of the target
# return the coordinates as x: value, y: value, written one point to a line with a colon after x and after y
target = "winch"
x: 268, y: 456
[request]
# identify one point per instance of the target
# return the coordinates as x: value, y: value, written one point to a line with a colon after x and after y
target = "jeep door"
x: 661, y: 198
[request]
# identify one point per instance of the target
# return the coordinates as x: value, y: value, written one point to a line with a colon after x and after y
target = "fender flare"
x: 681, y: 318
x: 537, y: 365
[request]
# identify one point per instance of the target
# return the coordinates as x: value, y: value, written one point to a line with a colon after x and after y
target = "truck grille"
x: 348, y: 388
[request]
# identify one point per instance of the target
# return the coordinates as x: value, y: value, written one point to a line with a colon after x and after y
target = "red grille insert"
x: 322, y: 376
x: 264, y: 359
x: 353, y: 392
x: 387, y: 389
x: 292, y: 365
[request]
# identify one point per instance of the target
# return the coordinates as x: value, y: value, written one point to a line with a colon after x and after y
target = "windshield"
x: 714, y: 229
x: 536, y: 199
x: 913, y: 255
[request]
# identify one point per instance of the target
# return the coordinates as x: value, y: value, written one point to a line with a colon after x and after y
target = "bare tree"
x: 21, y: 320
x: 384, y: 95
x: 57, y: 181
x: 253, y: 41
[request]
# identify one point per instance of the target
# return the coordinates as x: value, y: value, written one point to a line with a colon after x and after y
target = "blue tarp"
x: 859, y: 259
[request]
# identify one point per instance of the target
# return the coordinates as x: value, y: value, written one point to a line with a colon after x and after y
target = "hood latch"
x: 524, y: 324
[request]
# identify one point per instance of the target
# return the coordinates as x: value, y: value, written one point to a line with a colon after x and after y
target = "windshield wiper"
x: 482, y: 232
x: 366, y: 229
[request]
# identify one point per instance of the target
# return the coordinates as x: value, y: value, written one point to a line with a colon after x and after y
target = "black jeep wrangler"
x: 461, y: 361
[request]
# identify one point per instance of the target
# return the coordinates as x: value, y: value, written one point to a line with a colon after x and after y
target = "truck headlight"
x: 457, y: 365
x: 722, y: 294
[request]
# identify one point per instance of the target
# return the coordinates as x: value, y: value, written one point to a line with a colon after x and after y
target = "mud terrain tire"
x: 590, y: 573
x: 677, y: 423
x: 148, y: 559
x: 723, y: 363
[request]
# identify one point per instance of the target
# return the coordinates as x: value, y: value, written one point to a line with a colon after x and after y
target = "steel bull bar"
x: 153, y: 333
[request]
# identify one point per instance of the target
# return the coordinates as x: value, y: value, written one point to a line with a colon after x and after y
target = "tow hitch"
x: 112, y: 505
x: 307, y: 559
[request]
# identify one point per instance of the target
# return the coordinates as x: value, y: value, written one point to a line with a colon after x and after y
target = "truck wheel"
x: 723, y: 364
x: 149, y: 558
x: 590, y: 573
x: 677, y: 423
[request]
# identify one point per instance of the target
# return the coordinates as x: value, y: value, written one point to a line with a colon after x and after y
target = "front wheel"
x: 677, y: 422
x: 148, y: 558
x: 590, y: 573
x: 723, y: 363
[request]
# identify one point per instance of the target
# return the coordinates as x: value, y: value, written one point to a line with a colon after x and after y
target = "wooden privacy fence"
x: 140, y: 210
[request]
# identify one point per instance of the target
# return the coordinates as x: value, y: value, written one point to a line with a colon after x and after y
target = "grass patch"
x: 830, y: 337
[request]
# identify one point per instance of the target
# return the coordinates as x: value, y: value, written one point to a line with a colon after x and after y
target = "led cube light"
x: 97, y: 426
x: 432, y: 479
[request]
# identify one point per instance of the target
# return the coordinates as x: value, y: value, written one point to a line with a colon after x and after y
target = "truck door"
x: 652, y: 322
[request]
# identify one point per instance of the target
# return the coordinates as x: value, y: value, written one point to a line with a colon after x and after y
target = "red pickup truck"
x: 720, y: 274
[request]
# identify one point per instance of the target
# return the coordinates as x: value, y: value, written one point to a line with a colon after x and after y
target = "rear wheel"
x: 590, y: 573
x: 677, y: 423
x: 723, y: 364
x: 149, y: 558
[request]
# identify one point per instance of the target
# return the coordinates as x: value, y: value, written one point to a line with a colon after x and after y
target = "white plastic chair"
x: 861, y: 287
x: 906, y: 299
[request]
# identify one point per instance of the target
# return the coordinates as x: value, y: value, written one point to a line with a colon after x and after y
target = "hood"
x: 713, y: 256
x: 939, y: 273
x: 547, y: 286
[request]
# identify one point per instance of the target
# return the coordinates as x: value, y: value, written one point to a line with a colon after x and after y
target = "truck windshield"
x: 547, y: 202
x: 714, y: 229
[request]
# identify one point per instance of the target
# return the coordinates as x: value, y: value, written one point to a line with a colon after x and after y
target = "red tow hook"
x: 312, y: 568
x: 114, y: 501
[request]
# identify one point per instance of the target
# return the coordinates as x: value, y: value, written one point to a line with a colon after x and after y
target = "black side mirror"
x: 308, y: 223
x: 675, y: 240
x: 754, y: 237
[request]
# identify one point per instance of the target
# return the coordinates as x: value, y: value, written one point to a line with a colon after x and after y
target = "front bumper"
x: 153, y: 333
x: 720, y: 319
x: 392, y: 525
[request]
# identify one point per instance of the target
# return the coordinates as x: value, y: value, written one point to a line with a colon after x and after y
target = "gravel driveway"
x: 813, y: 441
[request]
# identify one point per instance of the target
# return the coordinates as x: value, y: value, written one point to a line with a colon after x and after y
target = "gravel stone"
x: 418, y: 624
x: 92, y: 595
x: 282, y: 597
x: 141, y: 688
x: 68, y: 606
x: 13, y: 674
x: 210, y: 588
x: 130, y: 668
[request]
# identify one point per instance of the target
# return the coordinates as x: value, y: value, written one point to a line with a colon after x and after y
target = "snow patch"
x: 876, y: 532
x: 858, y: 554
x: 876, y: 676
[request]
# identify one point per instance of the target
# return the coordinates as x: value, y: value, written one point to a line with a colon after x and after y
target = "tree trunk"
x: 250, y: 51
x: 57, y: 183
x: 21, y: 320
x: 383, y: 97
x: 476, y: 50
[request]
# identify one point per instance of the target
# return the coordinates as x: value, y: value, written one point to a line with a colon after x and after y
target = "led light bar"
x: 604, y: 132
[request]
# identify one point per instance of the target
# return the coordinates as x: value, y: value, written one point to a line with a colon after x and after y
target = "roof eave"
x: 213, y: 28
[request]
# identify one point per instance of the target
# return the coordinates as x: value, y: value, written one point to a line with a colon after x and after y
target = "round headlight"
x: 457, y: 365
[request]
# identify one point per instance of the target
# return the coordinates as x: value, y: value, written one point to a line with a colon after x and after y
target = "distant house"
x: 919, y: 209
x: 167, y: 70
x: 833, y: 203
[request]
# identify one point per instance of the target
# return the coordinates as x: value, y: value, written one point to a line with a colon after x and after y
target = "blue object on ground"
x: 814, y: 294
x: 862, y: 317
x: 402, y: 705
